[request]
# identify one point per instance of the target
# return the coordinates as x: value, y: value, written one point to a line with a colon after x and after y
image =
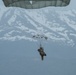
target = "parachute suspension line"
x: 40, y: 39
x: 39, y: 42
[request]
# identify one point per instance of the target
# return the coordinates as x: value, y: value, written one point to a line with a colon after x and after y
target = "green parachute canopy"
x: 35, y: 4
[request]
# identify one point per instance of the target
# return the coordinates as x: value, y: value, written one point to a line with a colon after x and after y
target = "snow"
x: 2, y: 10
x: 12, y: 19
x: 57, y: 27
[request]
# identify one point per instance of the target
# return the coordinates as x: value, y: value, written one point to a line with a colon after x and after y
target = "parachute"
x: 35, y: 4
x: 40, y: 38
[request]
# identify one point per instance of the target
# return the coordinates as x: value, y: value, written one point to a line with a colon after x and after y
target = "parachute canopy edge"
x: 35, y: 4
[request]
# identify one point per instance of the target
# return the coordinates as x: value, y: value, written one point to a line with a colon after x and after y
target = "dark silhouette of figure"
x: 41, y: 52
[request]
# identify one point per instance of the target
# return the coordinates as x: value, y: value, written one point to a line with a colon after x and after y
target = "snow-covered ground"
x: 58, y: 26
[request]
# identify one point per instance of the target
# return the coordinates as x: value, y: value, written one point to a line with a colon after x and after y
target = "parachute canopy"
x: 35, y: 4
x: 38, y: 36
